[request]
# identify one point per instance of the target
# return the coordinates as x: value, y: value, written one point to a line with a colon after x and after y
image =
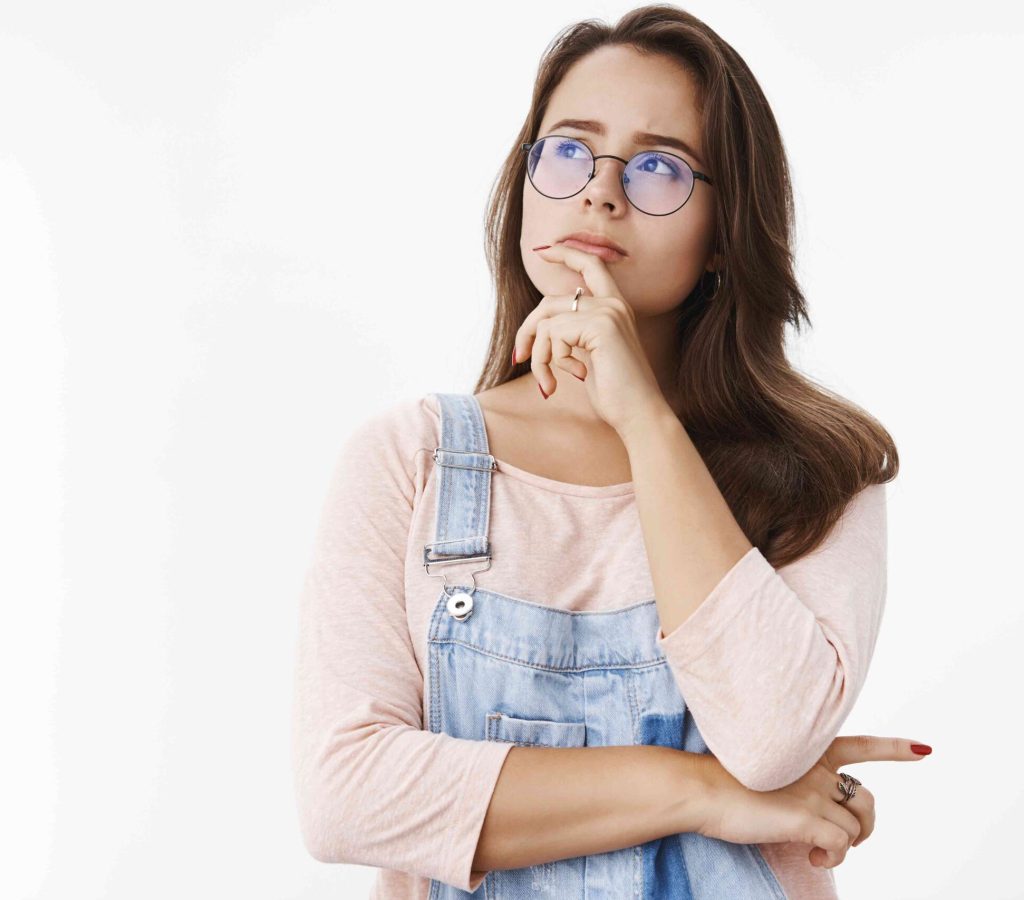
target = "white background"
x: 226, y: 241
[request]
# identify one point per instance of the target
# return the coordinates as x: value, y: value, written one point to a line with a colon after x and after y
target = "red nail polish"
x: 513, y: 356
x: 542, y: 247
x: 920, y: 749
x: 542, y: 390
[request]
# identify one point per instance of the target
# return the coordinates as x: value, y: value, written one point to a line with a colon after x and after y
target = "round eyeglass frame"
x: 697, y: 176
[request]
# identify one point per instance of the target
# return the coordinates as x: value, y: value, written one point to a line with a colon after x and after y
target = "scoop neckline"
x: 563, y: 487
x: 570, y: 488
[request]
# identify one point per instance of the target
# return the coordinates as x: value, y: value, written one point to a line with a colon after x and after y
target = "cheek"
x: 534, y: 217
x: 659, y: 250
x: 667, y: 262
x: 673, y: 250
x: 537, y: 229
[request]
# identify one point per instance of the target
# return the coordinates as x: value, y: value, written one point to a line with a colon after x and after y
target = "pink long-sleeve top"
x: 770, y: 664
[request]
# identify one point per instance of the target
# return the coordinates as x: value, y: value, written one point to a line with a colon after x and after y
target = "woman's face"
x: 625, y: 92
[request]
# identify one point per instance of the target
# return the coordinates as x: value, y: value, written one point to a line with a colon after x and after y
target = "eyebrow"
x: 639, y: 137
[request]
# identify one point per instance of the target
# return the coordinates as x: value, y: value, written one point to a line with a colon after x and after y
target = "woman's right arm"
x: 555, y: 803
x: 559, y: 802
x: 372, y: 786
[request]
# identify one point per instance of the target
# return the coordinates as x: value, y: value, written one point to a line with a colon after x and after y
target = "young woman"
x: 592, y: 630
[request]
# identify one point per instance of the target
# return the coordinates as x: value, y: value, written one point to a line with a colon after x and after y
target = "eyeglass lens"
x: 655, y: 183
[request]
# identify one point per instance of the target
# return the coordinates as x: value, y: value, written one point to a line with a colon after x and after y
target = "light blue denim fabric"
x: 506, y: 669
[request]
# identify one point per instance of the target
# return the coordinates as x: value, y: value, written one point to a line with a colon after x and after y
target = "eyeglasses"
x: 655, y: 182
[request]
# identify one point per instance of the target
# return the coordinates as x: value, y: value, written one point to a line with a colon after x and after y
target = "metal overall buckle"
x: 490, y: 467
x: 460, y: 602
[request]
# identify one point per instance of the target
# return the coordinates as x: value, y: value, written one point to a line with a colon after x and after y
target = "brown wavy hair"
x: 786, y: 453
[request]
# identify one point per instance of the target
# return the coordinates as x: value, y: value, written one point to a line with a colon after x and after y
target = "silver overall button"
x: 460, y: 605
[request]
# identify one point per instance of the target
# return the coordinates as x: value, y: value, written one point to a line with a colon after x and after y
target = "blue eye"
x: 569, y: 145
x: 655, y: 158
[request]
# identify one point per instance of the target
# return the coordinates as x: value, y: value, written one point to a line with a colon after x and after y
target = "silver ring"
x: 847, y: 787
x: 576, y: 300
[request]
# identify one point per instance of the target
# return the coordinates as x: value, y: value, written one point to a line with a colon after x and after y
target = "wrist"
x: 646, y: 419
x: 692, y: 787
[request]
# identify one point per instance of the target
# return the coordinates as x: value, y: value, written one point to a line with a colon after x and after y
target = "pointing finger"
x: 593, y: 269
x: 863, y: 747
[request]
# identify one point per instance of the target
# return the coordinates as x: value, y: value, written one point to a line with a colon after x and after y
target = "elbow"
x: 783, y: 762
x: 768, y: 773
x: 315, y: 836
x: 329, y: 832
x: 333, y: 810
x: 773, y: 780
x: 342, y: 811
x: 323, y: 855
x: 328, y: 840
x: 316, y: 851
x: 788, y: 749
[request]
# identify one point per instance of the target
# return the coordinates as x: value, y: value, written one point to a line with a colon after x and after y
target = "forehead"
x: 628, y: 92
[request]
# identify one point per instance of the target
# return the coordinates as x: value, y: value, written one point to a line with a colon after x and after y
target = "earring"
x: 718, y: 286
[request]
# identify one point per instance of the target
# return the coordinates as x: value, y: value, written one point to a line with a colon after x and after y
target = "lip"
x: 606, y: 253
x: 595, y: 243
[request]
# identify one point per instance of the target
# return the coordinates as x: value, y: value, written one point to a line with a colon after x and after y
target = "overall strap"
x: 464, y: 486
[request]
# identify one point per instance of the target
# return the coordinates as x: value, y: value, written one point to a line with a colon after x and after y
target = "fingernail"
x: 542, y: 390
x: 921, y: 749
x: 513, y: 356
x: 542, y: 247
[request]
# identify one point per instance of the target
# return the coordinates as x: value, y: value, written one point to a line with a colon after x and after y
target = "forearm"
x: 690, y: 535
x: 553, y: 803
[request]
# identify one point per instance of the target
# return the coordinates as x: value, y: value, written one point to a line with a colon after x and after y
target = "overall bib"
x: 505, y: 669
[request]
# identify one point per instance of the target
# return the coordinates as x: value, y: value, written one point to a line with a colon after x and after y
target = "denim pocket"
x: 534, y: 732
x: 563, y: 878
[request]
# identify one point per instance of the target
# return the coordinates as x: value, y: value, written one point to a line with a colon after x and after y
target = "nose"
x: 605, y: 186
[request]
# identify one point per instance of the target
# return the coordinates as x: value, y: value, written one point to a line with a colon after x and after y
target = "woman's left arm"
x: 770, y: 662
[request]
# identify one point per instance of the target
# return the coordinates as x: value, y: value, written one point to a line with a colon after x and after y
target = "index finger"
x: 593, y: 269
x: 861, y: 747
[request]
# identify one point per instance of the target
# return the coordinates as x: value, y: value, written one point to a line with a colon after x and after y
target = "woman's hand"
x: 614, y: 366
x: 806, y: 811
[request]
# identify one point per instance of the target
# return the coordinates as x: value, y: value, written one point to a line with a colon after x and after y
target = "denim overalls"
x: 505, y: 669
